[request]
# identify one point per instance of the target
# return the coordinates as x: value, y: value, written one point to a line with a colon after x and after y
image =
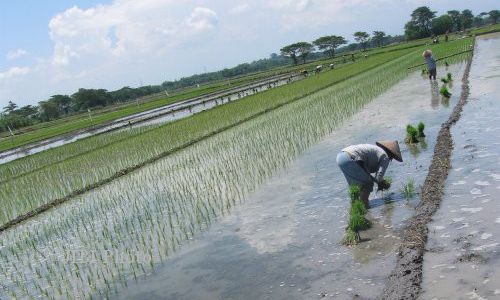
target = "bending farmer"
x: 358, y: 162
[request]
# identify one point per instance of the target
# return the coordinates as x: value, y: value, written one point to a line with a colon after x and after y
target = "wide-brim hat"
x: 392, y: 148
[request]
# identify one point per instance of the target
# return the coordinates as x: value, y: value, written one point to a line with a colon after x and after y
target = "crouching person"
x: 359, y: 162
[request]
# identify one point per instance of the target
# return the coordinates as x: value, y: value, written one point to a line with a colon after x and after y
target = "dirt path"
x: 406, y: 278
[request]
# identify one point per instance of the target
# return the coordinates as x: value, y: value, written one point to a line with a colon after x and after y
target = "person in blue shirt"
x: 431, y: 64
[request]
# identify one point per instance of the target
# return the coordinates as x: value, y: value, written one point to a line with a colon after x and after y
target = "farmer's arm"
x: 384, y: 163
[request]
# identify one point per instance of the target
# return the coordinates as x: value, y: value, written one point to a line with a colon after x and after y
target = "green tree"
x: 378, y: 37
x: 11, y: 106
x: 87, y: 98
x: 304, y: 49
x: 455, y: 16
x: 411, y: 31
x: 362, y: 38
x: 494, y: 16
x: 291, y: 51
x: 466, y: 18
x: 48, y: 110
x: 63, y: 103
x: 27, y: 111
x: 422, y: 19
x: 442, y: 24
x: 329, y: 43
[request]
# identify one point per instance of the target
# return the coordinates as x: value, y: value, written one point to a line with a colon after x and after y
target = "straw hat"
x: 392, y: 149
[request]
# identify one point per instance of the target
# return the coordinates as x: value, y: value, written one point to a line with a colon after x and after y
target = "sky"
x: 57, y: 46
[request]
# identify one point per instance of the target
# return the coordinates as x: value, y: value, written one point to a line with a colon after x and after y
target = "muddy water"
x: 283, y: 242
x: 463, y: 258
x: 156, y: 116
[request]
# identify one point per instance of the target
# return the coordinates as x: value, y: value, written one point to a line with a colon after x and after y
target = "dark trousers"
x: 432, y: 74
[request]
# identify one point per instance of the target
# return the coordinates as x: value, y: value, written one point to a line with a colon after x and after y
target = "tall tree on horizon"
x: 466, y: 18
x: 329, y: 43
x: 494, y: 15
x: 455, y: 16
x: 378, y: 37
x: 361, y: 37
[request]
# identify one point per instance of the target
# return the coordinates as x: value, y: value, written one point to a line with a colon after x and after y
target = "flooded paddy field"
x: 164, y: 114
x: 283, y: 242
x: 262, y: 199
x: 463, y: 252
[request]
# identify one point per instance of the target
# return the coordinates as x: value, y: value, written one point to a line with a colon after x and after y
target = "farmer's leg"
x: 433, y: 74
x: 354, y: 173
x: 365, y: 193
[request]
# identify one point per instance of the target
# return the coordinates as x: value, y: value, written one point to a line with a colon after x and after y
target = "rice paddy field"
x: 245, y: 192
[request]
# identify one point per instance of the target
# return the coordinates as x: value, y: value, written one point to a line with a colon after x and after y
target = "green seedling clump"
x: 411, y: 134
x: 354, y: 192
x: 358, y: 222
x: 351, y: 237
x: 444, y: 91
x: 424, y: 71
x: 357, y: 207
x: 444, y: 80
x: 420, y: 128
x: 448, y: 77
x: 409, y: 189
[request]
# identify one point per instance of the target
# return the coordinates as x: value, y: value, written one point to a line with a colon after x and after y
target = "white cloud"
x: 202, y: 19
x: 14, y: 72
x: 239, y: 9
x: 13, y: 54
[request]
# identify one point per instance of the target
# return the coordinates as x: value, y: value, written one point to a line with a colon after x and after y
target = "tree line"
x: 423, y: 23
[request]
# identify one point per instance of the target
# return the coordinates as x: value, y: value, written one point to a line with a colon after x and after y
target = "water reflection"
x: 435, y: 94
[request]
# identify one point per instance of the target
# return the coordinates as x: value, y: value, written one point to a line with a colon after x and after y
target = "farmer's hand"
x: 384, y: 185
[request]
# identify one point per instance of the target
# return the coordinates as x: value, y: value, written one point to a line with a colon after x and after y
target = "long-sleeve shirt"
x: 431, y: 62
x: 373, y: 158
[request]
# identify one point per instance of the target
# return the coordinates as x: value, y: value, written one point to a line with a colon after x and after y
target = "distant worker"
x: 431, y: 64
x: 358, y: 162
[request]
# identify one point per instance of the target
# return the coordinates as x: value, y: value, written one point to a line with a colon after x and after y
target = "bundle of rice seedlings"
x: 411, y: 134
x: 409, y: 189
x: 351, y: 237
x: 420, y: 128
x: 444, y: 91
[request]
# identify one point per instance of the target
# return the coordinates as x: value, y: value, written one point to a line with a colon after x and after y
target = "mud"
x: 405, y: 280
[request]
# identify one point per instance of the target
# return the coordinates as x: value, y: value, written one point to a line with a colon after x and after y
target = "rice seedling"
x: 358, y: 222
x: 420, y: 128
x: 408, y: 189
x: 411, y: 134
x: 444, y: 80
x: 351, y: 237
x: 354, y: 192
x: 444, y: 91
x: 449, y: 77
x: 357, y: 207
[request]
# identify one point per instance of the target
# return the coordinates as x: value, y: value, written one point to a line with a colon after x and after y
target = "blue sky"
x: 55, y: 47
